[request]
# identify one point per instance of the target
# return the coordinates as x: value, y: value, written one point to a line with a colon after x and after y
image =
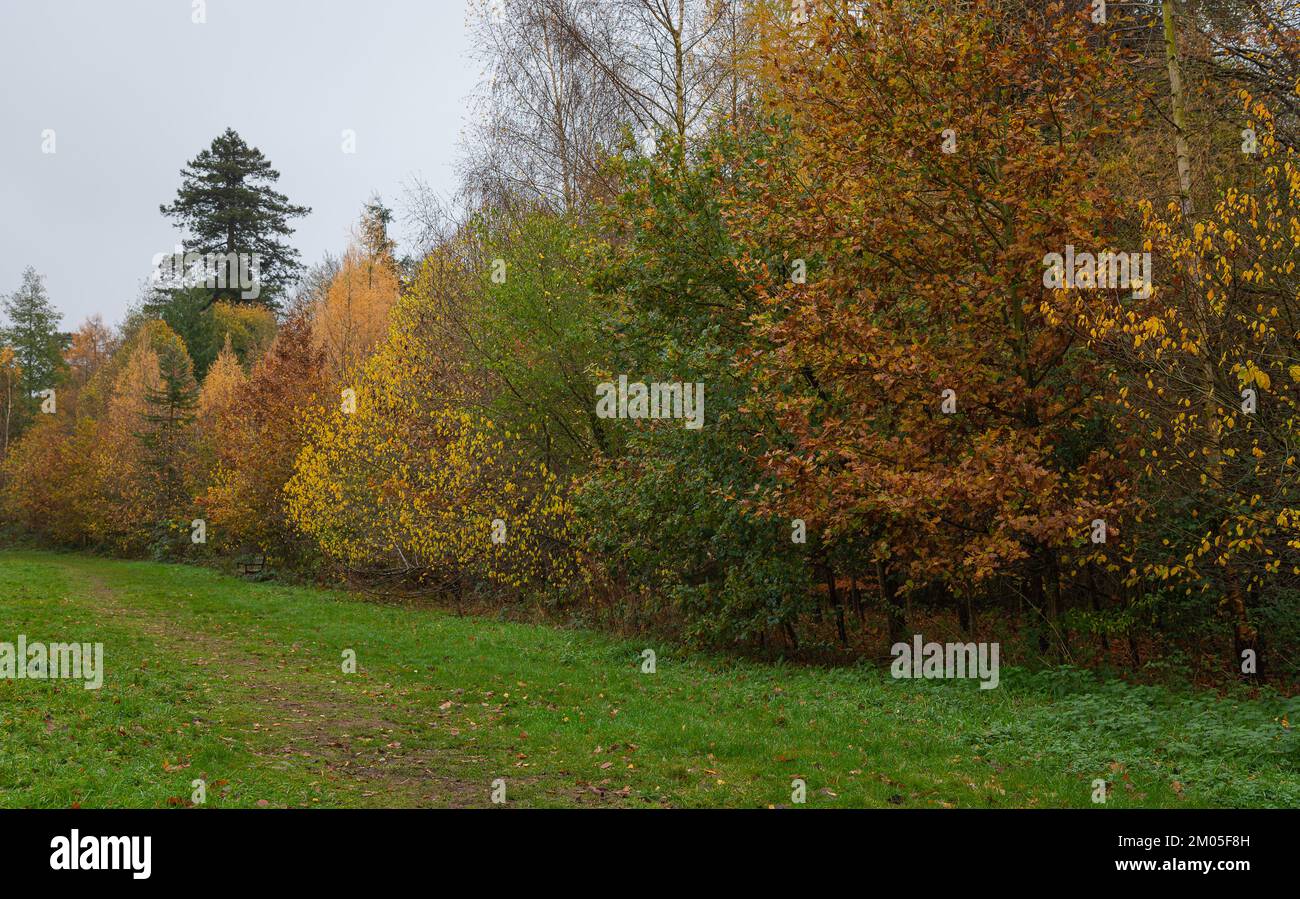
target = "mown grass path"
x: 242, y: 685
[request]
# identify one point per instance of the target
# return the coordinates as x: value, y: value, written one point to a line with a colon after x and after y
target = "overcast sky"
x: 133, y: 89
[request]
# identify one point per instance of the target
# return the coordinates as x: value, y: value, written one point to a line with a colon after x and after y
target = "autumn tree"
x: 1207, y: 386
x: 247, y: 330
x: 142, y: 455
x: 263, y: 423
x: 350, y: 317
x: 50, y: 482
x: 406, y: 486
x: 924, y: 161
x: 90, y: 348
x: 218, y: 397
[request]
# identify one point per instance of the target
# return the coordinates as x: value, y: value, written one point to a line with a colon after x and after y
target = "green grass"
x: 241, y: 684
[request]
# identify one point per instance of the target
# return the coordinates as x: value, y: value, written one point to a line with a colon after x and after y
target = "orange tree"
x: 259, y: 430
x: 926, y: 159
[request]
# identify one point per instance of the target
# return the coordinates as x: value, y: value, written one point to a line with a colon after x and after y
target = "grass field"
x: 241, y: 685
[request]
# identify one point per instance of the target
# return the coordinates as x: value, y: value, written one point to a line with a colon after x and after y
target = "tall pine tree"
x: 227, y: 205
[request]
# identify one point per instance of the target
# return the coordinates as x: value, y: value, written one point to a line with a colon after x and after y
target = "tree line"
x: 887, y: 240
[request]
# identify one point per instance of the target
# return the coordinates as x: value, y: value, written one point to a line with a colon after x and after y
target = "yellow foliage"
x: 409, y: 483
x: 352, y: 318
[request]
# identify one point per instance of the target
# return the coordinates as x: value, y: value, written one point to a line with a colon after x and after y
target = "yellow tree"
x: 248, y: 330
x: 1209, y: 385
x: 352, y: 318
x: 90, y: 350
x: 142, y: 457
x: 123, y: 506
x: 218, y: 406
x: 405, y: 484
x: 91, y: 347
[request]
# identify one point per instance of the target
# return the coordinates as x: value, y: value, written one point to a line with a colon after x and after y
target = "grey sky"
x: 133, y: 89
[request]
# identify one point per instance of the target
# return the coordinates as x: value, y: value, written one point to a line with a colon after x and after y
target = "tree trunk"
x: 855, y: 599
x: 894, y: 609
x: 1096, y: 606
x: 965, y: 611
x: 1055, y: 607
x: 1244, y: 637
x: 834, y: 595
x: 791, y: 635
x: 1178, y: 101
x: 1035, y: 591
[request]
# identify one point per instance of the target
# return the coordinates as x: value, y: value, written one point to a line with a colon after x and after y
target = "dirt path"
x: 347, y: 732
